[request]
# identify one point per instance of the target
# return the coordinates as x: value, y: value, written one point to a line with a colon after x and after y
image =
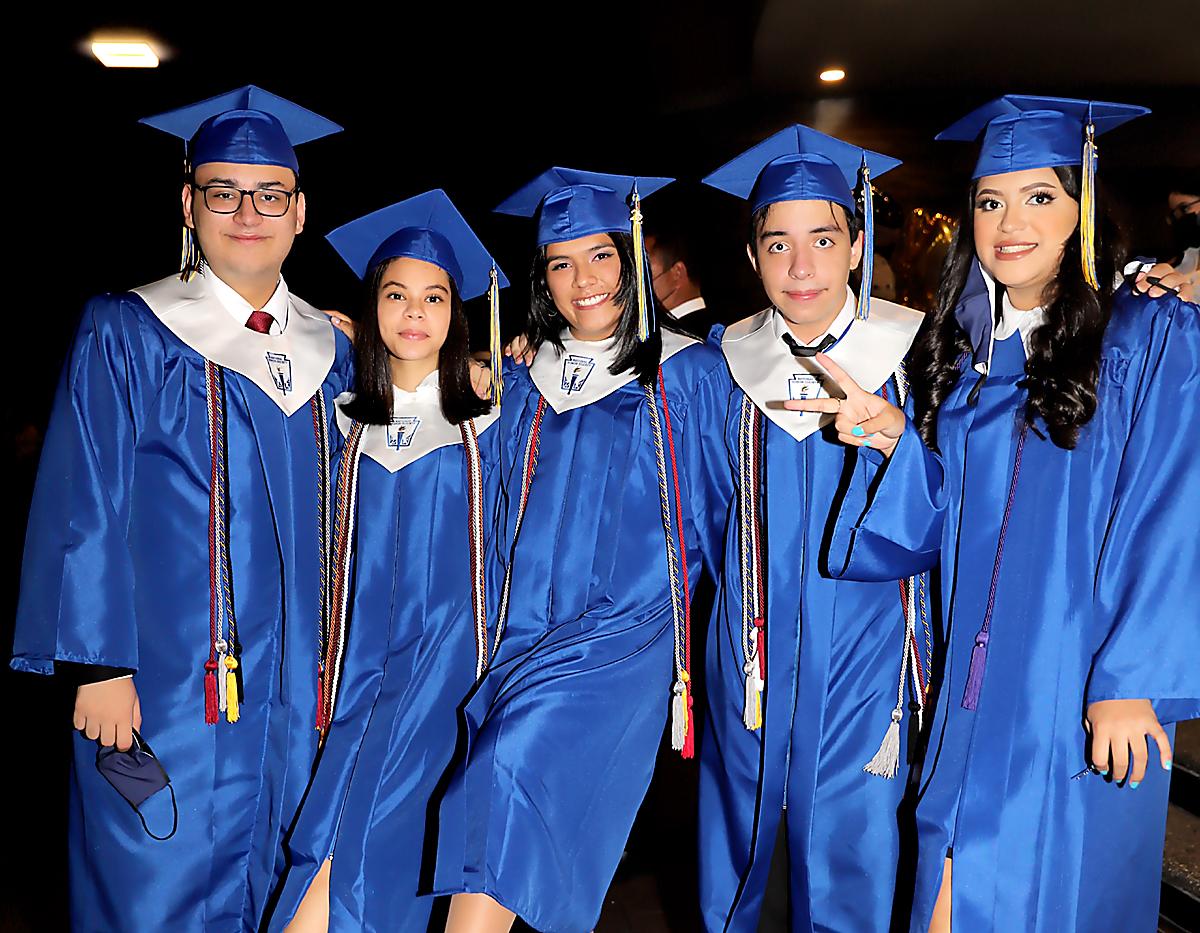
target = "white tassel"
x: 222, y: 695
x: 752, y: 710
x: 678, y: 716
x: 887, y: 760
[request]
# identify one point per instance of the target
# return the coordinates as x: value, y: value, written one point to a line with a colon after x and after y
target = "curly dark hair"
x: 546, y: 323
x: 1064, y: 357
x: 372, y: 402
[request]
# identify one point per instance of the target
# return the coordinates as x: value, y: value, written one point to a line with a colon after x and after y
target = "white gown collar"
x: 1012, y: 321
x: 578, y: 375
x: 765, y: 369
x: 418, y: 426
x: 240, y: 309
x: 289, y: 366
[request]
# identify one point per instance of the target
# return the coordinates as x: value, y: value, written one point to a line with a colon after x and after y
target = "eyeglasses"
x: 268, y: 202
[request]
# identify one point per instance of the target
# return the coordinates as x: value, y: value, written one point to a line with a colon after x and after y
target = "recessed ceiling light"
x: 832, y: 74
x: 125, y: 54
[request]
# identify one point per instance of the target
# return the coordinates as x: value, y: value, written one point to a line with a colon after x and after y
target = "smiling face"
x: 804, y: 255
x: 583, y: 277
x: 1022, y: 220
x: 414, y: 308
x: 244, y: 248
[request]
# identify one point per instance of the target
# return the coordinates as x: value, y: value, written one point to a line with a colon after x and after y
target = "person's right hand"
x: 863, y: 419
x: 109, y: 711
x: 521, y: 350
x: 341, y: 322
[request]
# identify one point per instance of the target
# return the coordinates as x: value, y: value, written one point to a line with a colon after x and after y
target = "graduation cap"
x: 430, y: 228
x: 1022, y: 132
x: 569, y: 204
x: 801, y: 164
x: 248, y: 126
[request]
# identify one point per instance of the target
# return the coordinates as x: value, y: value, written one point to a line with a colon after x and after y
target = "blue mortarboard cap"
x: 427, y: 227
x: 798, y: 164
x: 1021, y: 132
x: 570, y: 204
x: 248, y: 126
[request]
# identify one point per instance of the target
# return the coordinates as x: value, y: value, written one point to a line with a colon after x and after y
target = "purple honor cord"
x: 979, y: 653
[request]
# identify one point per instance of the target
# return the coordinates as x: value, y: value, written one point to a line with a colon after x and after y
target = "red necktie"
x: 260, y: 321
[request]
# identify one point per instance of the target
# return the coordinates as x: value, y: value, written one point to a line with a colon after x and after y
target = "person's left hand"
x: 1119, y: 728
x: 1166, y: 280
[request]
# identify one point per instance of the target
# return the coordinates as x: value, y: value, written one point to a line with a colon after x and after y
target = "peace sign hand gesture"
x: 863, y: 419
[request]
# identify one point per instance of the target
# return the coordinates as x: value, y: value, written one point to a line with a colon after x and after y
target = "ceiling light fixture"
x: 125, y: 53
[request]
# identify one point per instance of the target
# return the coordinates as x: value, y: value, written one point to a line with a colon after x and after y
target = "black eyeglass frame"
x: 287, y: 196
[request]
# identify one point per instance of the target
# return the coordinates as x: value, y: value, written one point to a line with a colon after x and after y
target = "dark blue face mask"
x: 137, y: 775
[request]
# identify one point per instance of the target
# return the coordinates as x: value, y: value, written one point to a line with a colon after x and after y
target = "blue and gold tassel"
x: 1087, y: 205
x: 641, y: 267
x: 495, y: 352
x: 868, y: 253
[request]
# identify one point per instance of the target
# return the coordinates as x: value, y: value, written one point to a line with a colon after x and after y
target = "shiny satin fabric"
x: 833, y: 662
x: 1099, y: 560
x: 564, y: 727
x: 410, y: 662
x: 116, y: 573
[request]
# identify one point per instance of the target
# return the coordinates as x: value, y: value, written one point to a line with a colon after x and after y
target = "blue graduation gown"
x: 409, y: 663
x: 563, y: 729
x: 833, y: 658
x: 1098, y: 561
x: 116, y: 573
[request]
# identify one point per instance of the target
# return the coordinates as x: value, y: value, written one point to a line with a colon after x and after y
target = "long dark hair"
x: 1064, y: 353
x: 546, y: 324
x: 372, y: 402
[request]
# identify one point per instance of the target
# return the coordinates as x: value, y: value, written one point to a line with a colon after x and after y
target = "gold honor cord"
x: 1087, y: 208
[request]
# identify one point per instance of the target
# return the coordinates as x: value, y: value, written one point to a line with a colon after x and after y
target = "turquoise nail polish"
x: 1167, y: 765
x: 857, y: 431
x: 1104, y: 773
x: 867, y: 442
x: 1133, y: 785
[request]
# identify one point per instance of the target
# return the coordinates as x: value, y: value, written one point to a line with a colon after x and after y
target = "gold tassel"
x: 1087, y: 209
x: 639, y: 266
x: 232, y: 713
x: 495, y: 351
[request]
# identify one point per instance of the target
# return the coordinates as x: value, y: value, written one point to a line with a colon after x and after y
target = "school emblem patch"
x: 575, y: 372
x: 280, y: 368
x: 401, y: 431
x: 803, y: 386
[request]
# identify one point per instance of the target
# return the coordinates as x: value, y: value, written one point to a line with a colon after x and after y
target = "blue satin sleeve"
x: 706, y: 459
x: 76, y: 601
x: 889, y: 523
x: 1149, y: 571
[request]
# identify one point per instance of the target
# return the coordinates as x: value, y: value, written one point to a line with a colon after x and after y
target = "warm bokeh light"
x: 125, y: 54
x: 833, y: 74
